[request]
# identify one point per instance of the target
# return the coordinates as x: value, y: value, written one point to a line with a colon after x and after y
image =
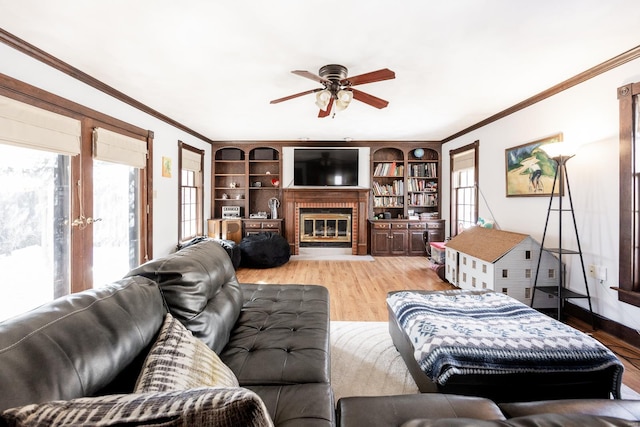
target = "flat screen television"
x: 325, y: 167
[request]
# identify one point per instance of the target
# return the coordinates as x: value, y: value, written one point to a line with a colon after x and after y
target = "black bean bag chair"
x: 264, y: 250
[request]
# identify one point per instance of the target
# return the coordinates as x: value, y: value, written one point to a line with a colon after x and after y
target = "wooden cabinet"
x: 388, y: 238
x: 229, y: 180
x: 404, y: 183
x: 255, y: 226
x: 404, y: 200
x: 387, y: 182
x: 248, y: 177
x: 403, y: 237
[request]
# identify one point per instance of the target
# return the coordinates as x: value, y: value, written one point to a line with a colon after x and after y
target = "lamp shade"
x: 343, y: 98
x: 322, y: 99
x: 559, y: 149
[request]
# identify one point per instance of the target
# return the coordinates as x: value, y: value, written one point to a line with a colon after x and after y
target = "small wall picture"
x: 529, y: 171
x: 166, y: 167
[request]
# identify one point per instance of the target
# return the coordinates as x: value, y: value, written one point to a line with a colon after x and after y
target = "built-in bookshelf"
x: 246, y: 177
x: 387, y: 183
x: 405, y: 182
x: 422, y: 183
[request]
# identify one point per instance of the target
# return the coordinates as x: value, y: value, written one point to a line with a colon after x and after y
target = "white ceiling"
x: 214, y: 65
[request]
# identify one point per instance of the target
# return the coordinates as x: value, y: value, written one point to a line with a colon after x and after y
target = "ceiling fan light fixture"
x: 322, y: 99
x: 343, y: 98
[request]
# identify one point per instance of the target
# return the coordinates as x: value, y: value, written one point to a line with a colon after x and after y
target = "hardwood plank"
x: 358, y: 291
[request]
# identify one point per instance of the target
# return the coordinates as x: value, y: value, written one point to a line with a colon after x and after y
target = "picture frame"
x: 529, y: 171
x: 166, y: 167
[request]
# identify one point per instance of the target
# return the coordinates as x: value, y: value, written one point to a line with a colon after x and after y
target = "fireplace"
x: 329, y: 227
x: 329, y: 204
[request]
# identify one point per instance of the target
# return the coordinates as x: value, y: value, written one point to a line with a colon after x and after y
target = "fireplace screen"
x: 325, y: 227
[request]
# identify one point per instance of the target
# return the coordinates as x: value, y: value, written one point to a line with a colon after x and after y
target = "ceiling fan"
x: 337, y: 88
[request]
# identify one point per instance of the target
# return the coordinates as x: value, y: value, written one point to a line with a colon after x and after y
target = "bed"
x: 484, y: 343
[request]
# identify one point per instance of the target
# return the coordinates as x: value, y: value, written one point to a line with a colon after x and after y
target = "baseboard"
x: 609, y: 326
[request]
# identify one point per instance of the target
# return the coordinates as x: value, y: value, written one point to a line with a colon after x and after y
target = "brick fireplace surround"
x: 309, y: 198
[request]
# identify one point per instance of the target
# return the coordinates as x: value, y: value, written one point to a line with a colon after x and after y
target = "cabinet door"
x: 380, y: 242
x: 416, y: 242
x: 399, y: 242
x: 436, y: 230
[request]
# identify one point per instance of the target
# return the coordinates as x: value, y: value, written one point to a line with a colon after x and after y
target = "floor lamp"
x: 558, y: 152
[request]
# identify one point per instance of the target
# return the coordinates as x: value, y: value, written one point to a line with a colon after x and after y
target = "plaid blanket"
x: 481, y: 332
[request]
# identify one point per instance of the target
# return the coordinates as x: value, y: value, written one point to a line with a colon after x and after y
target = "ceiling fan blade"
x: 374, y: 76
x: 286, y: 98
x: 309, y: 75
x: 369, y: 99
x: 325, y: 113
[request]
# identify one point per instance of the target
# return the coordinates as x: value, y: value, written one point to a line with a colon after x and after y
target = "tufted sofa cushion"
x: 79, y: 344
x: 281, y: 336
x: 200, y: 288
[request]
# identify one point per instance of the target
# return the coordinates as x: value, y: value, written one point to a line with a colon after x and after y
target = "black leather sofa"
x: 449, y: 410
x: 93, y: 343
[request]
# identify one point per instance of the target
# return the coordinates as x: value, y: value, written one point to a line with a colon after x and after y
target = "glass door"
x: 35, y: 228
x: 116, y: 221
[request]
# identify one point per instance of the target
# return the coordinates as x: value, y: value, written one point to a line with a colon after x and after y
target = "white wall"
x: 165, y: 198
x: 587, y: 115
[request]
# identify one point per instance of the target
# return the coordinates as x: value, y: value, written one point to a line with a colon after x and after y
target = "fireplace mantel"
x: 355, y: 198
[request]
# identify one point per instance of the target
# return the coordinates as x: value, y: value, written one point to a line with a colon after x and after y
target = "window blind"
x: 117, y: 148
x: 464, y: 160
x: 32, y: 127
x: 191, y: 160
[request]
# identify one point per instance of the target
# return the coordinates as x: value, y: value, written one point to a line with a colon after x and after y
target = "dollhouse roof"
x: 487, y: 244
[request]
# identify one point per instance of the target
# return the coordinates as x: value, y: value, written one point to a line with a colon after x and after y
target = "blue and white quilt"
x: 477, y: 332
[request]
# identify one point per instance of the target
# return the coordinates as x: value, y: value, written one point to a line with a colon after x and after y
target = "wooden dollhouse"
x: 502, y: 261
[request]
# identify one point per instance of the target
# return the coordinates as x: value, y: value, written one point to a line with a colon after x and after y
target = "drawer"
x: 399, y: 226
x: 432, y: 225
x: 381, y: 225
x: 417, y: 225
x: 252, y: 225
x: 270, y: 225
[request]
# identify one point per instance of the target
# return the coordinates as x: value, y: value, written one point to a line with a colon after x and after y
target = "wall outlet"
x: 601, y: 272
x: 597, y: 272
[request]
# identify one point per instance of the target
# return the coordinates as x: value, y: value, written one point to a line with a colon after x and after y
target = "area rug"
x: 364, y: 362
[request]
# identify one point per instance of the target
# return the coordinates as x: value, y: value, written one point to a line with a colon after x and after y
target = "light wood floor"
x: 358, y: 291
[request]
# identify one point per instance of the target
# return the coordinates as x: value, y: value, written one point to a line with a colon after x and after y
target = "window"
x: 527, y: 273
x: 527, y: 254
x: 54, y: 186
x: 464, y: 188
x: 505, y: 273
x: 35, y: 206
x: 191, y: 196
x: 629, y: 253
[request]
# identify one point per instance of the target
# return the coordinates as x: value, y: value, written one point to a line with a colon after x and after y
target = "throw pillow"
x: 201, y: 407
x: 180, y: 361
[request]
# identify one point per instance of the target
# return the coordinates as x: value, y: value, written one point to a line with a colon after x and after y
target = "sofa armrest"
x: 194, y: 407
